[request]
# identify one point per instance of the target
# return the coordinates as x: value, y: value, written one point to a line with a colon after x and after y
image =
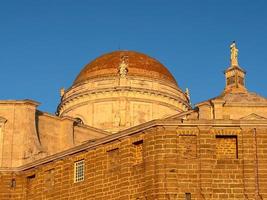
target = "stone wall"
x: 114, y: 104
x: 27, y: 134
x: 167, y: 163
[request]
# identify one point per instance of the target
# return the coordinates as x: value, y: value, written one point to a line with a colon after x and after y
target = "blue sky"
x: 45, y: 43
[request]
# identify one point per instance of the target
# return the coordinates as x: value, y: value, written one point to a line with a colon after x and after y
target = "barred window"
x: 79, y: 171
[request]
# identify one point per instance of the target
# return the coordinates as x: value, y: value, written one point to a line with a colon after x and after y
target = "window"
x: 226, y: 147
x: 13, y: 183
x: 31, y: 178
x: 78, y: 120
x: 30, y: 186
x: 231, y: 80
x: 138, y: 152
x: 113, y: 159
x: 79, y: 171
x: 187, y: 196
x: 188, y: 146
x: 49, y: 179
x: 241, y: 80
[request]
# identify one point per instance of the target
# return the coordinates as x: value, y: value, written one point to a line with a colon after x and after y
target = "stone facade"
x: 27, y: 134
x: 218, y: 150
x: 208, y: 161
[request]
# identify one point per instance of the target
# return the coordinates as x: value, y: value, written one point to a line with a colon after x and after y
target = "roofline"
x: 77, y: 124
x: 93, y: 144
x: 24, y: 101
x: 181, y: 114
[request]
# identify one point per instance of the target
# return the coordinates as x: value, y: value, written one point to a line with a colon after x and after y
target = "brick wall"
x: 226, y: 147
x: 164, y: 163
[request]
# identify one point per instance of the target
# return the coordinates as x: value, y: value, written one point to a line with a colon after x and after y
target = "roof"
x: 138, y: 64
x: 244, y: 98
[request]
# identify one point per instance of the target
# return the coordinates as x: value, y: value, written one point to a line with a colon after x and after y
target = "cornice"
x: 25, y: 101
x: 129, y: 78
x: 115, y: 98
x: 121, y: 90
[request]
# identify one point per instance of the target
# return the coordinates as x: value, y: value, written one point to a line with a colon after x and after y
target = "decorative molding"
x: 226, y: 131
x: 188, y: 131
x: 253, y: 116
x: 146, y: 96
x: 112, y: 146
x: 138, y: 137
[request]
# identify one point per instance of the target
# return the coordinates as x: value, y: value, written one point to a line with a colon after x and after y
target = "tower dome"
x: 122, y: 89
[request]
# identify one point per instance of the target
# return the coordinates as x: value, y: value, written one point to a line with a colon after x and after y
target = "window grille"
x: 79, y: 171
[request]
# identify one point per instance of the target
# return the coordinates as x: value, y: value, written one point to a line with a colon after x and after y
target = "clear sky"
x: 45, y: 43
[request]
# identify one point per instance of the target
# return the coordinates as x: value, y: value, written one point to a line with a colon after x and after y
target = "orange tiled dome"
x: 138, y: 65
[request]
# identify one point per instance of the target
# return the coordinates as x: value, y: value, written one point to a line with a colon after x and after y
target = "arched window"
x: 79, y: 120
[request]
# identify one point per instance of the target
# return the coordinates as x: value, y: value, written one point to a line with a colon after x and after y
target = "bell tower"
x: 234, y: 74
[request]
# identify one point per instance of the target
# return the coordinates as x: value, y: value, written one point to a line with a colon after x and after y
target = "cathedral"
x: 125, y: 130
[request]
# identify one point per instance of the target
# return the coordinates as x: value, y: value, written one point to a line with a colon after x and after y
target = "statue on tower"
x: 234, y: 54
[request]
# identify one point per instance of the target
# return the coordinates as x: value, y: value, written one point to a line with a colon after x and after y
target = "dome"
x: 139, y: 64
x: 122, y: 89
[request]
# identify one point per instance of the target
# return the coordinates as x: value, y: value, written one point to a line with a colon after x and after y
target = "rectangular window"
x: 231, y: 80
x: 31, y: 178
x: 138, y: 152
x: 13, y: 183
x: 188, y: 146
x: 49, y: 179
x: 187, y: 196
x: 30, y: 186
x: 79, y: 171
x: 241, y: 80
x: 226, y: 147
x: 113, y: 159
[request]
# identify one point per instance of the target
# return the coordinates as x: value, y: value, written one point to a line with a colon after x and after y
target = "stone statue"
x: 123, y: 67
x: 234, y: 54
x: 187, y: 93
x: 62, y: 92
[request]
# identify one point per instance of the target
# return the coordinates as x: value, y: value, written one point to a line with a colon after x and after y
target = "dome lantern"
x: 234, y: 75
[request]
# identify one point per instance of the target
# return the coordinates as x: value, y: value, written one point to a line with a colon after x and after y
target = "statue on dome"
x: 62, y: 92
x: 123, y: 67
x: 187, y: 93
x: 234, y: 54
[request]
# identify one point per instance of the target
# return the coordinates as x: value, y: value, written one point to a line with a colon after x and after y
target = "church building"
x: 125, y: 130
